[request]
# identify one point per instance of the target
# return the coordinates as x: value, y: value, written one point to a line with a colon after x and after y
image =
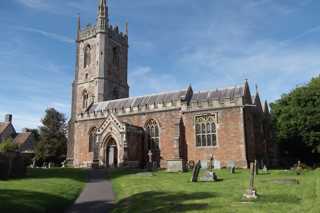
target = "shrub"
x: 12, y: 165
x: 8, y: 146
x: 4, y: 167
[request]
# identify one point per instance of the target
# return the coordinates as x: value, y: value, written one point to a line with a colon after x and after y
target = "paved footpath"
x: 97, y: 195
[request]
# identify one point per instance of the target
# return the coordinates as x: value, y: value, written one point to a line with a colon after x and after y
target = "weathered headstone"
x: 209, y: 177
x: 251, y: 192
x: 232, y: 167
x: 195, y: 172
x: 49, y: 165
x: 204, y: 164
x: 33, y: 165
x: 216, y: 164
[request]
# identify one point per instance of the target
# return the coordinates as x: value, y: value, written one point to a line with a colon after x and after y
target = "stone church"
x: 110, y: 129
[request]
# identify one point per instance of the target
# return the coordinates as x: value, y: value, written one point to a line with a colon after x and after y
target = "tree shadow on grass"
x: 30, y: 201
x: 153, y: 201
x: 91, y: 207
x: 279, y: 198
x: 69, y: 173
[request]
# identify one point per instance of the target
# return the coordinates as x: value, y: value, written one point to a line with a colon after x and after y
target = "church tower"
x: 102, y: 63
x: 101, y: 70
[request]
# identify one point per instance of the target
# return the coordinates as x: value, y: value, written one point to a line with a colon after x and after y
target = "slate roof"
x: 3, y: 126
x: 218, y: 94
x: 140, y: 100
x: 22, y: 138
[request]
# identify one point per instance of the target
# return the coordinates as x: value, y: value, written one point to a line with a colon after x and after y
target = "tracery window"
x: 87, y: 56
x: 206, y: 131
x: 152, y: 130
x: 85, y: 97
x: 92, y: 139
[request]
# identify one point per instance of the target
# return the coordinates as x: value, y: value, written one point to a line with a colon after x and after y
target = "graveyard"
x: 159, y: 191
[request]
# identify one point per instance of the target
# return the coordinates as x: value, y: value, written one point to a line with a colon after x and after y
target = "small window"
x: 87, y: 56
x: 205, y: 129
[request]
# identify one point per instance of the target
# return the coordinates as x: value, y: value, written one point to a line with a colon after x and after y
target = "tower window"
x: 206, y: 131
x: 152, y: 130
x: 115, y: 54
x: 87, y: 56
x: 85, y: 97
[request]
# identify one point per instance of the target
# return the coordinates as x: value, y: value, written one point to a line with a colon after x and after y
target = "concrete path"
x: 97, y: 195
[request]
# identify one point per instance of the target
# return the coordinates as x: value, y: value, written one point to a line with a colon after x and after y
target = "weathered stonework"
x: 239, y: 131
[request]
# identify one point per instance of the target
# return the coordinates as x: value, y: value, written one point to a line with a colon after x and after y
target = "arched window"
x: 85, y: 97
x: 152, y: 130
x: 206, y: 131
x: 87, y: 56
x: 92, y: 139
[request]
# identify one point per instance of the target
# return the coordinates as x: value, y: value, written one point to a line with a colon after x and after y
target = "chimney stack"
x: 8, y: 118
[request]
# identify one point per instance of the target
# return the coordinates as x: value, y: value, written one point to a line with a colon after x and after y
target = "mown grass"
x: 43, y: 190
x: 168, y: 192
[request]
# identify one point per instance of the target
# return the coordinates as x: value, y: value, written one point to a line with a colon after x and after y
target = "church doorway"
x: 111, y: 153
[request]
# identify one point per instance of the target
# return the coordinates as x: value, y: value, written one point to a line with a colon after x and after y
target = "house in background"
x: 25, y: 140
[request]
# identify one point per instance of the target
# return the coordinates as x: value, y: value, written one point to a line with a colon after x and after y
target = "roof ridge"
x: 144, y: 96
x: 219, y: 89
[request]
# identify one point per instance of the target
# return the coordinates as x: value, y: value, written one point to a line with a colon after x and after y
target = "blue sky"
x: 208, y: 43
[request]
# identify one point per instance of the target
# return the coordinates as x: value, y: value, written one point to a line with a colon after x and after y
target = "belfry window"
x: 115, y: 55
x: 85, y: 97
x: 206, y: 131
x: 152, y: 130
x: 92, y: 139
x: 87, y: 56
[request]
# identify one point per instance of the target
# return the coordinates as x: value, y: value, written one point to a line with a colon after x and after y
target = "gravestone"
x: 195, y: 172
x: 204, y: 164
x: 265, y: 169
x: 33, y: 163
x: 209, y: 177
x: 216, y: 164
x: 232, y: 166
x: 149, y: 163
x: 251, y: 192
x: 299, y: 168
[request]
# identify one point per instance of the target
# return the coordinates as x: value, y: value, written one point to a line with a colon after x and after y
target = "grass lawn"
x: 44, y: 190
x: 165, y: 192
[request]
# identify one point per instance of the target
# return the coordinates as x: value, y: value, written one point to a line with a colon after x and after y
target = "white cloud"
x: 35, y: 4
x: 50, y: 35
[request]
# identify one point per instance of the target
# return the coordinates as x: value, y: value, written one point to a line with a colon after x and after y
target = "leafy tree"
x: 296, y: 120
x: 8, y: 146
x: 52, y: 146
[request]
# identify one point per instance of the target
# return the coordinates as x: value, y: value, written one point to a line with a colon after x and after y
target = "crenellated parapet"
x: 88, y: 32
x: 118, y: 36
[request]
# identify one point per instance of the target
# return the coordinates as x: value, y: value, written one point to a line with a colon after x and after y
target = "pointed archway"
x: 111, y: 153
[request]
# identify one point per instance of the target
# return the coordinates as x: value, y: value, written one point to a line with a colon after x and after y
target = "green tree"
x: 8, y: 146
x: 52, y: 146
x: 296, y: 120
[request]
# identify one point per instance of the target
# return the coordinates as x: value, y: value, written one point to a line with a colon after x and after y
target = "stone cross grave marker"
x: 195, y: 172
x: 251, y: 192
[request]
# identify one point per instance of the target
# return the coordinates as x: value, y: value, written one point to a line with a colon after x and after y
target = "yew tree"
x: 296, y: 120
